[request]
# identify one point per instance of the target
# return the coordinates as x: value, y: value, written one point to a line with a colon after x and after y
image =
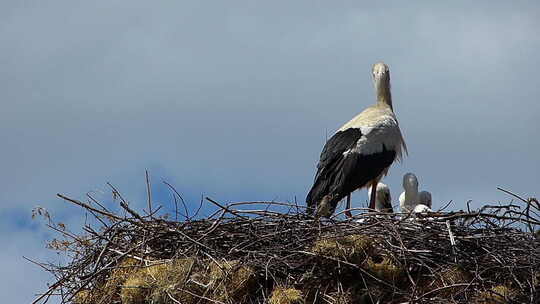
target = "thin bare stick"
x: 148, y: 192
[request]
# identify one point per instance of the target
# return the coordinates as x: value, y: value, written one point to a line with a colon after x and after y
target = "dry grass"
x: 188, y: 281
x: 82, y: 297
x: 286, y: 295
x: 386, y: 269
x: 354, y: 248
x: 500, y: 294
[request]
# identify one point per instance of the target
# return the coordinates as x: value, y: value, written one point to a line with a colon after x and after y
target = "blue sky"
x: 234, y: 100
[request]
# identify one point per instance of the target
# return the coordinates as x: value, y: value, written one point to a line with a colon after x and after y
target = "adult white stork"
x: 383, y: 199
x: 360, y: 153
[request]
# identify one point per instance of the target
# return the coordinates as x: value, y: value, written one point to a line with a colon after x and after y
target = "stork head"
x: 381, y: 81
x: 380, y: 73
x: 410, y: 182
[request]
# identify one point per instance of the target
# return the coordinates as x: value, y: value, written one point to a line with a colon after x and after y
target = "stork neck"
x: 411, y: 196
x: 384, y: 97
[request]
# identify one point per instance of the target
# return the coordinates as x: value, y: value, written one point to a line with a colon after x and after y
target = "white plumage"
x: 360, y: 153
x: 421, y: 208
x: 378, y: 132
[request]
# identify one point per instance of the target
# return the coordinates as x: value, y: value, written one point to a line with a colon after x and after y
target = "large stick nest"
x: 243, y: 255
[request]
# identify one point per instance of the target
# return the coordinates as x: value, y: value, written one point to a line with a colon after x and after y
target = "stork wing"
x: 334, y: 148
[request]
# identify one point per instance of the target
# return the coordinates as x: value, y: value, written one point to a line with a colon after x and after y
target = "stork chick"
x: 424, y: 202
x: 383, y: 199
x: 409, y: 198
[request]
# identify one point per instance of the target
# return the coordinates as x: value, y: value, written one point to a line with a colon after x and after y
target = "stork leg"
x: 347, y: 211
x: 373, y: 193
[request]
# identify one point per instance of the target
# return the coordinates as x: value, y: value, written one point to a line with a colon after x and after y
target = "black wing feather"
x: 336, y: 146
x: 338, y: 175
x: 330, y: 161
